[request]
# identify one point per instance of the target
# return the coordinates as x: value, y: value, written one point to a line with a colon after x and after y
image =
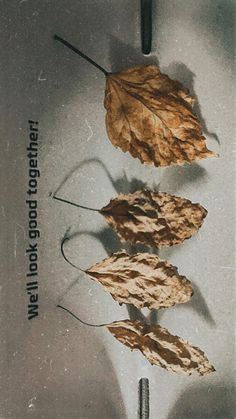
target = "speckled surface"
x: 53, y: 366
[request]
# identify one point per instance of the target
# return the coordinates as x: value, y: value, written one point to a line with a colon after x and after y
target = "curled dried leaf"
x: 150, y: 115
x: 143, y: 280
x: 161, y: 348
x: 154, y: 219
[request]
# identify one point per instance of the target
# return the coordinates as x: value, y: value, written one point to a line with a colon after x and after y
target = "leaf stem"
x: 66, y: 258
x: 67, y: 44
x: 73, y: 203
x: 77, y: 318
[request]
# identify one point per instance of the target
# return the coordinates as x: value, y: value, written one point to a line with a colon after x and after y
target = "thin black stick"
x: 75, y: 205
x: 67, y: 44
x: 144, y: 398
x: 77, y: 318
x: 146, y: 26
x: 65, y: 257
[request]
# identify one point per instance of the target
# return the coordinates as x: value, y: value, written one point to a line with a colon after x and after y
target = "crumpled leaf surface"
x: 143, y: 280
x: 161, y: 348
x: 150, y: 115
x: 154, y: 218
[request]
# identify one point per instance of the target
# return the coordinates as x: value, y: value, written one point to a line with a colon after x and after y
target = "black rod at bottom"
x: 144, y: 398
x: 146, y: 26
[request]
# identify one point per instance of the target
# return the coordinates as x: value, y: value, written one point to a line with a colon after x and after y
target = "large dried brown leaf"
x: 154, y: 219
x: 143, y: 280
x: 150, y: 115
x: 161, y: 348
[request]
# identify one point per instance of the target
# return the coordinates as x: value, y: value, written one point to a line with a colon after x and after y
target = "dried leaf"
x: 161, y: 348
x: 150, y: 115
x: 154, y: 219
x: 143, y: 280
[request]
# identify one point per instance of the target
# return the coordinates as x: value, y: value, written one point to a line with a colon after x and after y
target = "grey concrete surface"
x: 53, y: 366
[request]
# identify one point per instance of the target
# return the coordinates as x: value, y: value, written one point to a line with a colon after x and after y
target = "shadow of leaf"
x: 196, y: 304
x: 199, y: 305
x: 175, y: 178
x: 123, y: 56
x: 106, y: 237
x: 206, y: 402
x: 121, y: 184
x: 68, y: 289
x: 217, y: 20
x: 136, y: 314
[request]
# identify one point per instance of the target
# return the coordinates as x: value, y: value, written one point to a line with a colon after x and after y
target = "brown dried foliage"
x: 151, y: 116
x: 154, y: 219
x: 143, y: 280
x: 161, y: 348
